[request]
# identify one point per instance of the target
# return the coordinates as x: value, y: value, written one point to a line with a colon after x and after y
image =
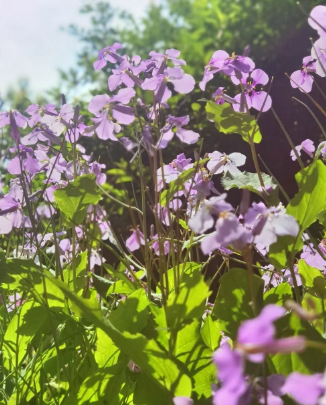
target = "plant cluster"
x: 77, y: 330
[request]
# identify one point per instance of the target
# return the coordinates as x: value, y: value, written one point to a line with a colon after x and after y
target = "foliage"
x: 198, y: 293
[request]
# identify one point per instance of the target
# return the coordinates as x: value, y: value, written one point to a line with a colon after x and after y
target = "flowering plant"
x: 80, y: 327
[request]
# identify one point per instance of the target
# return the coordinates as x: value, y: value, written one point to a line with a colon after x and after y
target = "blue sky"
x: 33, y: 44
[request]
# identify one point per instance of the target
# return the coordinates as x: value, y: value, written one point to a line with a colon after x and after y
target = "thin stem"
x: 314, y: 116
x: 288, y: 139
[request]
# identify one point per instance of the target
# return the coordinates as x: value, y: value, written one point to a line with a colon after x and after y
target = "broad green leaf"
x: 229, y: 121
x: 307, y: 204
x: 74, y: 199
x: 310, y: 360
x: 189, y: 303
x: 25, y: 275
x: 192, y: 352
x: 121, y: 287
x: 249, y: 181
x: 312, y: 278
x: 132, y: 313
x: 126, y: 284
x: 22, y: 328
x: 154, y: 361
x: 184, y: 269
x: 148, y: 393
x: 99, y: 386
x: 315, y: 305
x: 80, y: 265
x: 278, y: 295
x: 233, y: 303
x: 210, y: 333
x: 107, y: 354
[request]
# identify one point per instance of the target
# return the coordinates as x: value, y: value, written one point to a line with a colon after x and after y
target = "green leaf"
x: 154, y: 361
x: 21, y: 330
x: 147, y: 393
x: 246, y: 180
x: 307, y: 204
x: 184, y: 269
x: 96, y: 388
x: 233, y: 303
x: 107, y: 353
x: 312, y: 278
x: 189, y: 303
x: 229, y: 121
x: 74, y: 199
x: 278, y: 295
x: 132, y: 313
x: 25, y: 275
x: 121, y: 287
x: 210, y: 333
x: 308, y: 362
x: 315, y: 305
x: 191, y: 351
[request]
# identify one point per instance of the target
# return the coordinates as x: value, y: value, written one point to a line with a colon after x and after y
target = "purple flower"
x: 317, y: 20
x: 203, y: 219
x: 222, y: 62
x: 5, y: 225
x: 312, y: 257
x: 160, y: 59
x: 220, y: 97
x: 25, y: 161
x: 35, y: 111
x: 108, y: 54
x: 125, y: 74
x: 220, y: 162
x: 174, y: 127
x: 318, y: 54
x: 57, y: 122
x: 12, y: 209
x: 307, y: 146
x: 230, y: 374
x: 268, y: 224
x: 229, y: 231
x: 54, y: 166
x: 255, y: 98
x: 182, y: 401
x: 303, y: 78
x: 102, y: 104
x: 173, y: 170
x: 183, y: 83
x: 256, y: 336
x: 271, y: 278
x: 166, y: 246
x: 135, y: 240
x: 304, y: 389
x: 288, y: 276
x: 20, y: 120
x: 42, y: 134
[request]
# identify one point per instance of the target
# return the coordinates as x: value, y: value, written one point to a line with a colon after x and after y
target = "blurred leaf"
x: 74, y: 199
x: 21, y: 330
x: 278, y: 295
x: 210, y: 333
x: 191, y: 351
x: 189, y: 303
x: 310, y: 360
x: 233, y: 303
